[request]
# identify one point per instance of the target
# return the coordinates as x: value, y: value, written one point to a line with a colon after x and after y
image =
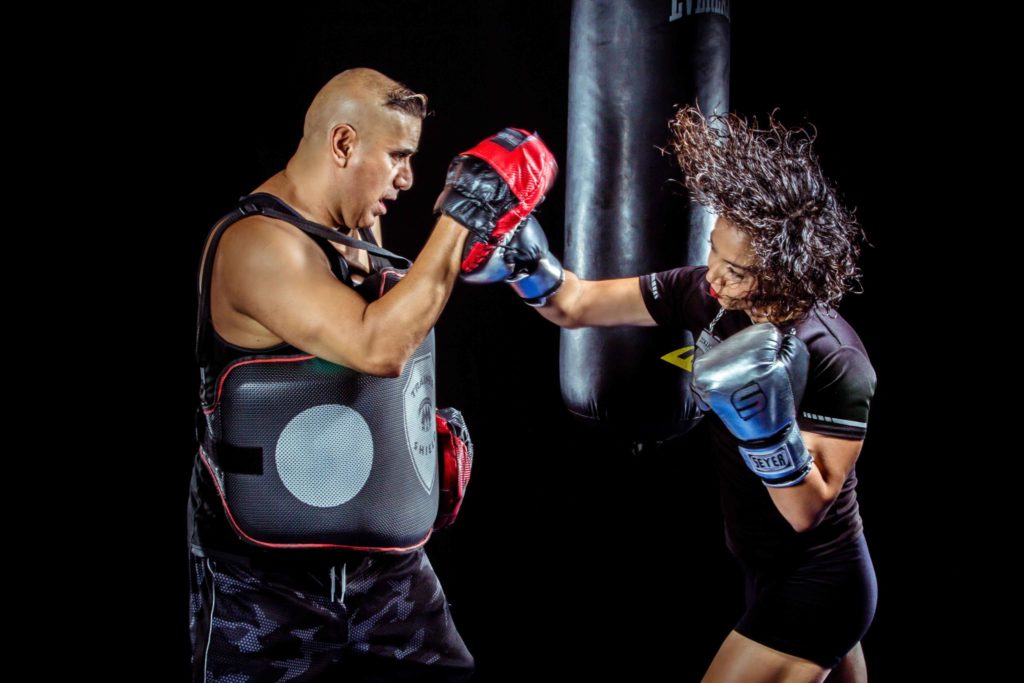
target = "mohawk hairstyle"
x: 406, y: 101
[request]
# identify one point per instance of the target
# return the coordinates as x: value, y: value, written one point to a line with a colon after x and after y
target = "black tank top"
x: 208, y: 527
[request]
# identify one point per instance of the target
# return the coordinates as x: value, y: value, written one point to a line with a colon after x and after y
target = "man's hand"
x: 492, y: 188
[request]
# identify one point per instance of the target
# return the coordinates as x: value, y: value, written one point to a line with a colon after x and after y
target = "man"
x: 317, y: 481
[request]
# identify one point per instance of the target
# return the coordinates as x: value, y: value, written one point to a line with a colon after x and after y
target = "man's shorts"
x: 298, y: 623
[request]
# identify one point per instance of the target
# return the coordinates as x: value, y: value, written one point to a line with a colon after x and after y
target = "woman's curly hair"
x: 769, y: 184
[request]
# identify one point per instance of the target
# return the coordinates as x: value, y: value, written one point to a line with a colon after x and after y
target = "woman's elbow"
x: 808, y: 518
x: 803, y: 523
x: 567, y: 323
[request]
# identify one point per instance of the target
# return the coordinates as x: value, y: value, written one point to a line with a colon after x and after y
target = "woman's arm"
x: 805, y: 505
x: 589, y: 303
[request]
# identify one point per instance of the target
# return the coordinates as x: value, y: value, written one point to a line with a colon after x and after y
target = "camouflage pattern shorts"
x: 252, y: 624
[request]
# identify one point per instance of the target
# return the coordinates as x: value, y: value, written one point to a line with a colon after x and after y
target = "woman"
x: 783, y: 250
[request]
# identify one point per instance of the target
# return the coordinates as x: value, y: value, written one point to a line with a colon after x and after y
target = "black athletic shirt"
x: 840, y: 384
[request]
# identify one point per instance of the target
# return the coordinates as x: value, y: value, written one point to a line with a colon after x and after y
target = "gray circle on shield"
x: 324, y: 455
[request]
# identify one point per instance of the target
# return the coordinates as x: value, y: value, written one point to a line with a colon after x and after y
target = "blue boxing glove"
x: 537, y: 274
x: 525, y: 263
x: 754, y: 381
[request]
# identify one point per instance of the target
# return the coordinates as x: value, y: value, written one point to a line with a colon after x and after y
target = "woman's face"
x: 729, y: 265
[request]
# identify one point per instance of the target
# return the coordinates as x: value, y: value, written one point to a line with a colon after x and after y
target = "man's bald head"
x: 360, y: 134
x: 358, y: 97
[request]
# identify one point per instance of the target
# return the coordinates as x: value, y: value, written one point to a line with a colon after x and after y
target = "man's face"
x: 380, y: 167
x: 729, y: 263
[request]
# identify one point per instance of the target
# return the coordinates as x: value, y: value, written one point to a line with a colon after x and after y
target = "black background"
x: 571, y: 555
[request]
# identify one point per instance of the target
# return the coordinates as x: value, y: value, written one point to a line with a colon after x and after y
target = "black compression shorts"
x: 818, y: 610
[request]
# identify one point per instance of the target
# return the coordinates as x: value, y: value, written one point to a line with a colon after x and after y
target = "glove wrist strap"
x: 784, y: 463
x: 544, y: 282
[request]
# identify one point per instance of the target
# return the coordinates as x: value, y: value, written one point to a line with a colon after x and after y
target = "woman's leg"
x: 742, y: 660
x: 803, y: 622
x: 852, y: 669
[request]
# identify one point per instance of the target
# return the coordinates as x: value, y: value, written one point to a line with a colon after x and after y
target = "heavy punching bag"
x: 631, y: 62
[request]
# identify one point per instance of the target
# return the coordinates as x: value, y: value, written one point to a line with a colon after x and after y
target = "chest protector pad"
x: 309, y: 454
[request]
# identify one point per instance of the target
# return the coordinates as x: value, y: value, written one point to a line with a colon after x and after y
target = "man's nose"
x: 403, y: 181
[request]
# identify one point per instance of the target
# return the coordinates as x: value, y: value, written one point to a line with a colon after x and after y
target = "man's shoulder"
x: 260, y: 239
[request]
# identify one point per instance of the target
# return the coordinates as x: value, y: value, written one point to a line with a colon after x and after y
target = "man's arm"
x: 282, y: 284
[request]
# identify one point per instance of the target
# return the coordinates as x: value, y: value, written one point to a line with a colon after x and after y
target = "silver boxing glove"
x: 754, y: 381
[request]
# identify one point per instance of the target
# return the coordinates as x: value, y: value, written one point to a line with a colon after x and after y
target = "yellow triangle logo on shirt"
x: 681, y: 358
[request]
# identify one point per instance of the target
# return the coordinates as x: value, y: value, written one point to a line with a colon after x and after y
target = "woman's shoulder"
x: 826, y: 332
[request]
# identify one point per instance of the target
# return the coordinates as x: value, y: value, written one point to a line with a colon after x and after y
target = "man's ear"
x: 343, y: 141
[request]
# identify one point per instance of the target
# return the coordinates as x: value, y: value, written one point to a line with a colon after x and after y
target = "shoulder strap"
x: 268, y: 205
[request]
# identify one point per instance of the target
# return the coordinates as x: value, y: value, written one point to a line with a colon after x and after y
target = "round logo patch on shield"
x: 420, y: 425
